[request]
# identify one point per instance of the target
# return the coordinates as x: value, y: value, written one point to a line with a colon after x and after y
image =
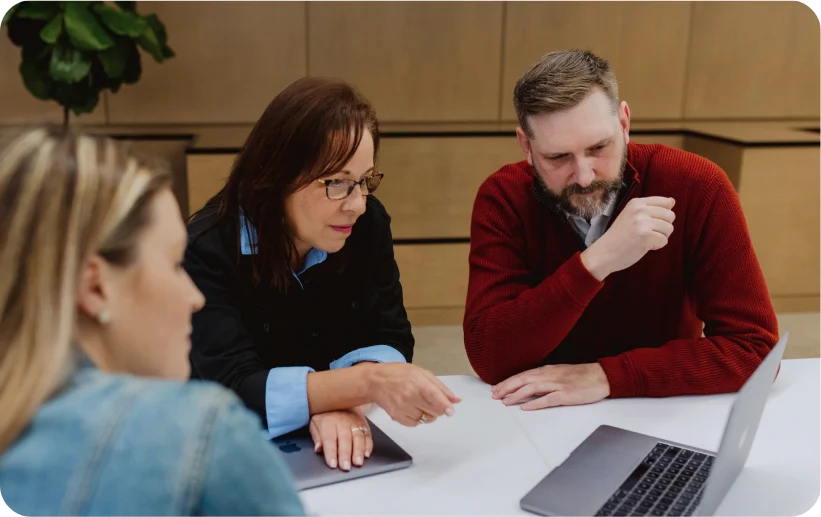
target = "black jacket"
x: 245, y: 330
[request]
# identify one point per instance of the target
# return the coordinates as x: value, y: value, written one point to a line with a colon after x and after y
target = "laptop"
x: 309, y: 468
x: 620, y: 472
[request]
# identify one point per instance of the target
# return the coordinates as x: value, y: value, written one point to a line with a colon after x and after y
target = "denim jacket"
x: 121, y: 445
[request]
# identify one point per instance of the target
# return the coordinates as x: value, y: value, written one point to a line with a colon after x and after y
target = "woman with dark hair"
x: 303, y: 314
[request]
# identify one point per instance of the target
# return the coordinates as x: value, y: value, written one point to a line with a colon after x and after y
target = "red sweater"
x: 531, y: 301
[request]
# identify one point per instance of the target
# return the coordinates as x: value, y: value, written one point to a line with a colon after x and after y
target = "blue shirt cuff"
x: 375, y: 353
x: 286, y: 399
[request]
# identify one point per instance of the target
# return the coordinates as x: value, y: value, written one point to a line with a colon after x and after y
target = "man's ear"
x: 524, y: 143
x: 624, y: 120
x: 92, y: 291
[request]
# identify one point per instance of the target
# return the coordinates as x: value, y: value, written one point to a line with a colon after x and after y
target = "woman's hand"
x: 408, y: 393
x: 344, y: 437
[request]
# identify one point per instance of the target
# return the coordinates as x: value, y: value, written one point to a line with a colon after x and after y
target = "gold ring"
x: 360, y: 428
x: 423, y: 418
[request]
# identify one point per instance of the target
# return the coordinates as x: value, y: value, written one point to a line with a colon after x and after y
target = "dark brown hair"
x: 310, y: 130
x: 561, y: 80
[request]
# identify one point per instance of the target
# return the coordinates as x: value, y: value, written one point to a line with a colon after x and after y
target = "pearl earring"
x: 104, y: 317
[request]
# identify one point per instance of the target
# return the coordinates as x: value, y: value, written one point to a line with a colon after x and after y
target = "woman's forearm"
x: 339, y: 389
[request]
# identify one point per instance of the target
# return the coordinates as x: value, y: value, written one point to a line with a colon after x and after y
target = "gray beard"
x: 562, y: 206
x: 560, y: 203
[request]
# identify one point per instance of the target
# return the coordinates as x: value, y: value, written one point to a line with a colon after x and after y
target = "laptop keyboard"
x: 669, y: 481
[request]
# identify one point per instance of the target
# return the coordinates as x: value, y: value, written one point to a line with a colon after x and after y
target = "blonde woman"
x: 93, y: 301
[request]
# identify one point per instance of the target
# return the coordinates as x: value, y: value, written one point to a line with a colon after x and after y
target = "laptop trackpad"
x: 581, y: 484
x: 601, y: 472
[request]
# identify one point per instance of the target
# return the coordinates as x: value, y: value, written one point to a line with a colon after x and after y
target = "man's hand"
x: 555, y: 385
x: 645, y: 224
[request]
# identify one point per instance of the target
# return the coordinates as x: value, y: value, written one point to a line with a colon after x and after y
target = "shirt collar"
x: 247, y: 236
x: 248, y: 244
x: 314, y: 257
x: 611, y: 205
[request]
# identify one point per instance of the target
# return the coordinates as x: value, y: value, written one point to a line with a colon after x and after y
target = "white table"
x: 487, y: 456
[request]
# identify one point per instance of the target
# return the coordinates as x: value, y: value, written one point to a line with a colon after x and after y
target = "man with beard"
x: 596, y: 263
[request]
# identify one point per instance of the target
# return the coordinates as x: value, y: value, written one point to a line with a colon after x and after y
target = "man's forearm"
x: 518, y: 334
x: 708, y: 365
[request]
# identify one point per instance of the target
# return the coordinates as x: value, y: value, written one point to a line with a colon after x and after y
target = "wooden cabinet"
x: 645, y: 42
x: 415, y: 61
x: 232, y: 59
x: 753, y: 60
x: 779, y: 191
x: 431, y: 182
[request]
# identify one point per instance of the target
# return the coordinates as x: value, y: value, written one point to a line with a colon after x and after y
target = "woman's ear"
x: 93, y: 295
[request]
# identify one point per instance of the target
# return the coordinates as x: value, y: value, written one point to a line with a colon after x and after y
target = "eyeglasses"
x: 341, y: 188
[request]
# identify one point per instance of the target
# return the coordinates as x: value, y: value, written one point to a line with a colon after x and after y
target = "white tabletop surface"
x: 485, y: 458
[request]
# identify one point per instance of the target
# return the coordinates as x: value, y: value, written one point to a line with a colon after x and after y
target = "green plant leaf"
x: 127, y: 6
x: 99, y: 79
x: 124, y: 23
x: 69, y: 65
x: 53, y: 29
x: 85, y: 31
x: 37, y: 51
x: 148, y: 41
x: 133, y: 65
x: 79, y: 98
x: 24, y: 32
x: 38, y: 10
x: 8, y: 15
x: 36, y: 78
x: 162, y: 37
x: 159, y: 28
x: 74, y: 50
x: 87, y: 103
x: 113, y: 61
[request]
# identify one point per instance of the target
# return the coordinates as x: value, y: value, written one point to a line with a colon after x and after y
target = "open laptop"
x: 309, y: 468
x: 620, y: 472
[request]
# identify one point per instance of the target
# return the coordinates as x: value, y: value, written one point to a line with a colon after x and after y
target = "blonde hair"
x: 63, y: 198
x: 561, y: 80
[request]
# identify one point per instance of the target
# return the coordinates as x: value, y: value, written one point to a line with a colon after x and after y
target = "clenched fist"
x: 644, y: 225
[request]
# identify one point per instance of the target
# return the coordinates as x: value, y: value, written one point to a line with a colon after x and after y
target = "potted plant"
x: 72, y: 51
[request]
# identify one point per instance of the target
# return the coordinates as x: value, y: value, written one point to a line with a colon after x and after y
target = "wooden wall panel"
x: 232, y: 59
x: 18, y: 106
x: 779, y: 194
x: 206, y: 175
x: 433, y: 275
x: 645, y: 42
x: 431, y: 182
x: 791, y: 304
x: 676, y: 141
x: 458, y: 61
x: 416, y: 61
x: 440, y: 350
x: 725, y: 155
x: 429, y: 187
x: 172, y: 152
x: 436, y: 316
x: 753, y: 59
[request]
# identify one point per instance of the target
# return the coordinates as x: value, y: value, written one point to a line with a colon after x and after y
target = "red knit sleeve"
x: 731, y: 299
x: 509, y: 325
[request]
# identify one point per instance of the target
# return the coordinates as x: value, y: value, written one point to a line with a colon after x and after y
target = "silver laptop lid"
x: 742, y: 424
x: 309, y: 468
